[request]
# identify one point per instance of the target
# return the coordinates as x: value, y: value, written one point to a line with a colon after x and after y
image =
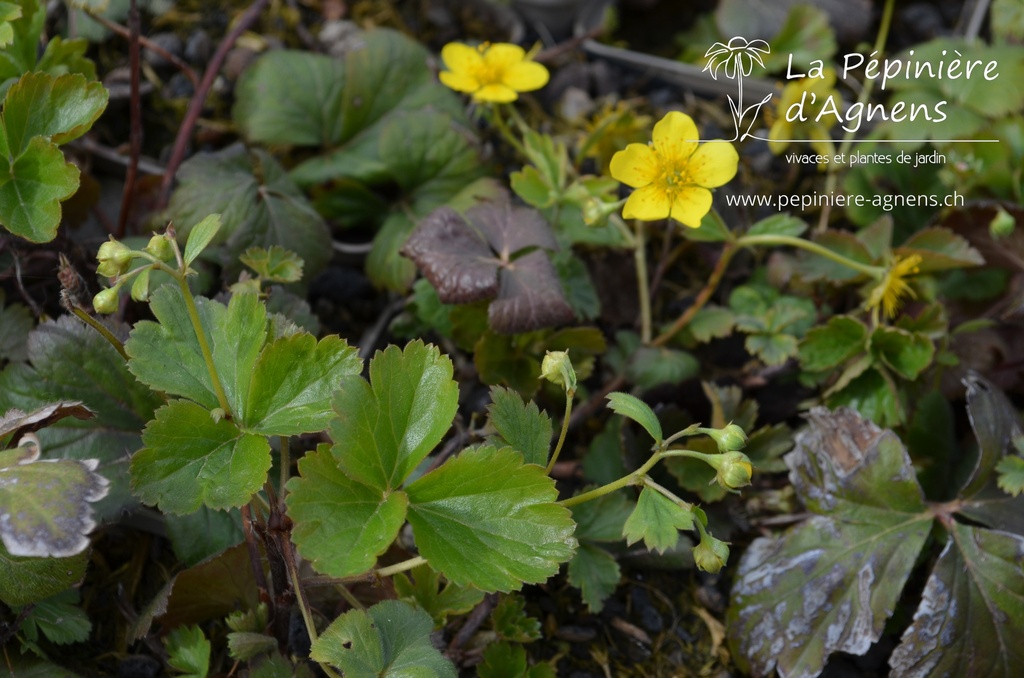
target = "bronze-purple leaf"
x: 530, y: 297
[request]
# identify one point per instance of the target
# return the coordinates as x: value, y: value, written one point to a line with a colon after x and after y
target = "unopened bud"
x: 160, y: 247
x: 557, y: 368
x: 114, y: 257
x: 733, y: 470
x: 710, y: 554
x: 106, y: 300
x: 729, y: 439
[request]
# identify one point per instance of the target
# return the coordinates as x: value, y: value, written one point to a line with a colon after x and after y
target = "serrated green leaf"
x: 188, y: 651
x: 1011, y: 474
x: 657, y: 520
x: 27, y: 580
x: 940, y: 249
x: 31, y: 189
x: 970, y: 609
x: 23, y: 54
x: 58, y: 109
x: 191, y: 460
x: 831, y: 344
x: 385, y: 428
x: 389, y: 640
x: 59, y: 618
x: 274, y: 263
x: 711, y: 322
x: 293, y: 381
x: 637, y: 410
x: 45, y: 505
x: 814, y: 267
x: 484, y: 518
x: 511, y: 622
x: 520, y: 425
x: 871, y: 394
x: 532, y: 187
x: 246, y: 645
x: 503, y: 660
x: 439, y: 601
x: 200, y: 236
x: 341, y: 525
x: 779, y: 224
x: 602, y: 519
x: 595, y: 573
x: 840, y: 591
x: 652, y: 366
x: 772, y: 349
x: 905, y: 353
x: 603, y: 462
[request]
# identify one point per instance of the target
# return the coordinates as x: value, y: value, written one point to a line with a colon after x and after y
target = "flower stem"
x: 400, y: 567
x: 204, y: 346
x: 565, y: 429
x: 506, y: 131
x: 643, y: 291
x: 104, y: 332
x: 865, y: 92
x: 702, y: 297
x: 633, y: 478
x: 875, y: 272
x: 665, y: 492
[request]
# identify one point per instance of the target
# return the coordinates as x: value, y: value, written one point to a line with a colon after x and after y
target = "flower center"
x: 673, y: 179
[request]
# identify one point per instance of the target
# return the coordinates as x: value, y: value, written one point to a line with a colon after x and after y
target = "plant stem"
x: 400, y: 567
x: 785, y: 240
x: 703, y: 296
x: 569, y: 394
x: 643, y: 291
x: 204, y: 346
x: 98, y: 326
x: 300, y: 597
x: 667, y: 493
x: 865, y: 92
x: 285, y: 462
x: 506, y: 132
x: 631, y: 479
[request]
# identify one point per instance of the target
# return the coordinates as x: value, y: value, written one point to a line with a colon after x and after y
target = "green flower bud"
x: 710, y: 554
x: 160, y: 247
x: 114, y: 258
x: 1002, y: 224
x: 597, y: 211
x: 734, y: 470
x: 557, y: 368
x: 106, y: 301
x: 729, y: 439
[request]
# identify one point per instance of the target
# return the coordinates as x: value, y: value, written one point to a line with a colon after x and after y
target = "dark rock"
x: 170, y: 42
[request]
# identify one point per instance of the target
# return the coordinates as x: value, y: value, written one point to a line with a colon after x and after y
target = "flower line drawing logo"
x: 736, y: 59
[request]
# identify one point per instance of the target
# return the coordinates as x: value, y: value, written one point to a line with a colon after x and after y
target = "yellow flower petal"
x: 690, y: 206
x: 675, y: 137
x: 635, y: 166
x: 503, y: 55
x: 525, y: 76
x: 495, y: 93
x: 461, y: 58
x: 649, y: 203
x: 460, y: 82
x: 713, y: 164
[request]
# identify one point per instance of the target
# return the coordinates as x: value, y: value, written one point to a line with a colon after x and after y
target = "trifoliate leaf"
x: 188, y: 651
x: 485, y: 519
x: 637, y: 410
x: 274, y: 263
x: 59, y: 618
x: 657, y: 520
x: 25, y: 580
x: 389, y: 640
x: 45, y: 504
x: 829, y: 345
x: 519, y: 425
x: 970, y: 609
x: 190, y: 460
x: 595, y: 573
x: 341, y: 525
x: 438, y: 600
x: 384, y: 428
x: 511, y: 622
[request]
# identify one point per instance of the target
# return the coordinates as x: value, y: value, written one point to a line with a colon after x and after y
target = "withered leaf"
x: 18, y: 423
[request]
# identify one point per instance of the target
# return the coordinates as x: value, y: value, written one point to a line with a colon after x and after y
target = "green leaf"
x: 940, y: 250
x: 806, y: 35
x: 46, y: 504
x: 602, y: 519
x: 995, y: 422
x: 840, y: 591
x: 970, y: 609
x: 341, y: 525
x: 652, y: 366
x: 259, y: 206
x: 31, y: 189
x: 657, y: 520
x: 813, y: 267
x: 25, y: 580
x: 779, y: 224
x: 191, y: 460
x: 188, y: 651
x: 905, y: 353
x: 246, y: 645
x: 292, y: 383
x: 872, y: 395
x: 711, y: 322
x: 595, y: 573
x: 503, y: 660
x: 1011, y: 474
x: 59, y: 618
x: 389, y: 640
x: 23, y: 54
x: 200, y: 236
x: 8, y: 13
x: 712, y: 229
x: 833, y: 343
x: 772, y: 349
x: 603, y: 462
x: 439, y: 601
x: 486, y: 519
x: 384, y: 429
x: 274, y: 263
x: 16, y: 322
x: 197, y: 536
x: 511, y: 622
x: 58, y: 109
x: 637, y: 410
x: 520, y: 425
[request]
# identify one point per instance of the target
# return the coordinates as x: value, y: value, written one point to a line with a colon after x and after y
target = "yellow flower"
x: 673, y: 173
x: 808, y: 96
x: 890, y: 291
x: 495, y: 73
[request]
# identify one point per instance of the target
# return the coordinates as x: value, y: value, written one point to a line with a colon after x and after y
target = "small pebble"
x: 170, y: 42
